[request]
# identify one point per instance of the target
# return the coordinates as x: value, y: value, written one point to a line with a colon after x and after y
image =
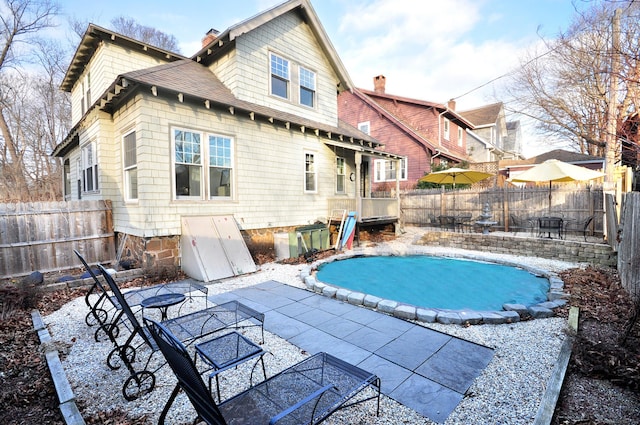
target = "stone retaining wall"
x: 555, y: 249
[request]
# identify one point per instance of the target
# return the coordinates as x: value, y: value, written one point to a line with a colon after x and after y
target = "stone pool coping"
x: 511, y: 313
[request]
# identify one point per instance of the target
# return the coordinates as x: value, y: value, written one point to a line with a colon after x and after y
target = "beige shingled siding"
x: 109, y: 61
x: 290, y: 38
x: 269, y: 170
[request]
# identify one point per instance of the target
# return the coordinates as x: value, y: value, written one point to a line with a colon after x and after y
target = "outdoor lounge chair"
x: 305, y: 393
x: 99, y: 311
x: 106, y: 307
x: 188, y: 328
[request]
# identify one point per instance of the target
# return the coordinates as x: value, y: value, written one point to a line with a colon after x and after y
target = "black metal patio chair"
x: 517, y: 224
x: 102, y: 311
x: 106, y: 307
x: 305, y: 393
x: 579, y: 226
x: 188, y: 328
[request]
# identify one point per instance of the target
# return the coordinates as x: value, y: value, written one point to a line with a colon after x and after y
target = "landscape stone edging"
x: 511, y: 312
x: 68, y: 408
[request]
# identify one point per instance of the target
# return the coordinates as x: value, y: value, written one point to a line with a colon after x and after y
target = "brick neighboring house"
x: 493, y: 137
x: 424, y: 132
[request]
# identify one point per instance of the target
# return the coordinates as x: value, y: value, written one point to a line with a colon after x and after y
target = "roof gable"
x: 224, y: 41
x: 93, y: 36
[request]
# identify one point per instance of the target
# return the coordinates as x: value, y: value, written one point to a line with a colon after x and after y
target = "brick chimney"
x: 379, y: 83
x: 211, y: 35
x: 451, y: 104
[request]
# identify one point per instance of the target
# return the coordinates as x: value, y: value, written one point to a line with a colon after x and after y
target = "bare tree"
x: 149, y: 35
x: 22, y: 141
x: 565, y: 87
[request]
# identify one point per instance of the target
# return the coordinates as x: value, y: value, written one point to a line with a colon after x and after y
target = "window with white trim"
x: 67, y: 178
x: 220, y: 166
x: 79, y: 177
x: 460, y: 133
x: 203, y: 170
x: 365, y: 127
x: 310, y: 174
x: 385, y: 170
x: 340, y: 175
x: 187, y: 163
x: 280, y: 76
x: 447, y: 124
x: 130, y: 161
x: 85, y: 101
x: 307, y: 87
x: 89, y: 168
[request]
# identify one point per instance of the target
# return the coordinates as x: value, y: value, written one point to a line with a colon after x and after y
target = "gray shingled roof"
x: 484, y: 115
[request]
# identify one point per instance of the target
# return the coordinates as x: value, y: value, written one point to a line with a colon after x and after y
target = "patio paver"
x: 425, y: 370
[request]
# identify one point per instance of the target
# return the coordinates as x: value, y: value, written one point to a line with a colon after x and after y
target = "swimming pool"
x: 437, y: 282
x: 508, y: 291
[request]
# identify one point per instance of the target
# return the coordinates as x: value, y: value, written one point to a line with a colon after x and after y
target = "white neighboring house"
x: 493, y: 138
x: 247, y: 127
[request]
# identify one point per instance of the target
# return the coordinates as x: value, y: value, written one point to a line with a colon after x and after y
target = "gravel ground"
x: 507, y: 392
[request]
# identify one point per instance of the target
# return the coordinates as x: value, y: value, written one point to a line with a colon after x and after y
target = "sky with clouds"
x: 432, y: 50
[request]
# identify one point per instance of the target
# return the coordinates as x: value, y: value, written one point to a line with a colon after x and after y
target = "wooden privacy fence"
x: 422, y: 207
x: 629, y: 247
x: 41, y: 236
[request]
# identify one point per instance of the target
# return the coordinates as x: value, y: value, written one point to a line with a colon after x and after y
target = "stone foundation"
x: 555, y: 249
x: 158, y: 252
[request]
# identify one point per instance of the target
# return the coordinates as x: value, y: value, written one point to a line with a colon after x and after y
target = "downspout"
x: 440, y: 125
x: 439, y: 152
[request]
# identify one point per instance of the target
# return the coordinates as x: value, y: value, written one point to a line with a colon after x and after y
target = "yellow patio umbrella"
x: 455, y: 175
x: 553, y: 170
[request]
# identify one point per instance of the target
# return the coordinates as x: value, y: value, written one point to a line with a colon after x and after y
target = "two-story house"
x: 493, y: 138
x: 246, y: 128
x: 421, y: 131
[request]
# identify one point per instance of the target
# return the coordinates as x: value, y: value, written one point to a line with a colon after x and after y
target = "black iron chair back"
x: 189, y: 379
x: 307, y: 392
x: 100, y: 310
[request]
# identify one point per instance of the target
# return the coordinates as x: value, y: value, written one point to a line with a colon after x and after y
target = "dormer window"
x: 280, y: 76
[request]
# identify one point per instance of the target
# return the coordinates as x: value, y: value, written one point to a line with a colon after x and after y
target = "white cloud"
x: 428, y: 52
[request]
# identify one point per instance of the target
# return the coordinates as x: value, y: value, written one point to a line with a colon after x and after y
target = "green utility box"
x: 308, y: 238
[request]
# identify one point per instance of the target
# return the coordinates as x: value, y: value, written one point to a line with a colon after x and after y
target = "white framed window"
x: 220, y: 166
x: 203, y: 165
x: 85, y: 101
x: 341, y: 172
x: 130, y: 162
x: 460, y: 135
x: 447, y: 126
x: 187, y: 163
x: 79, y: 177
x: 67, y: 179
x: 89, y: 168
x: 280, y: 76
x: 307, y: 87
x: 365, y: 127
x: 385, y: 170
x: 310, y: 173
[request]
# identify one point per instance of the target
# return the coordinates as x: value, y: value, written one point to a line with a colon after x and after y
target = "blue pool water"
x: 436, y: 282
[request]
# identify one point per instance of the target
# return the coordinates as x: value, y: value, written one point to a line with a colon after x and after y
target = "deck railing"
x: 371, y: 207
